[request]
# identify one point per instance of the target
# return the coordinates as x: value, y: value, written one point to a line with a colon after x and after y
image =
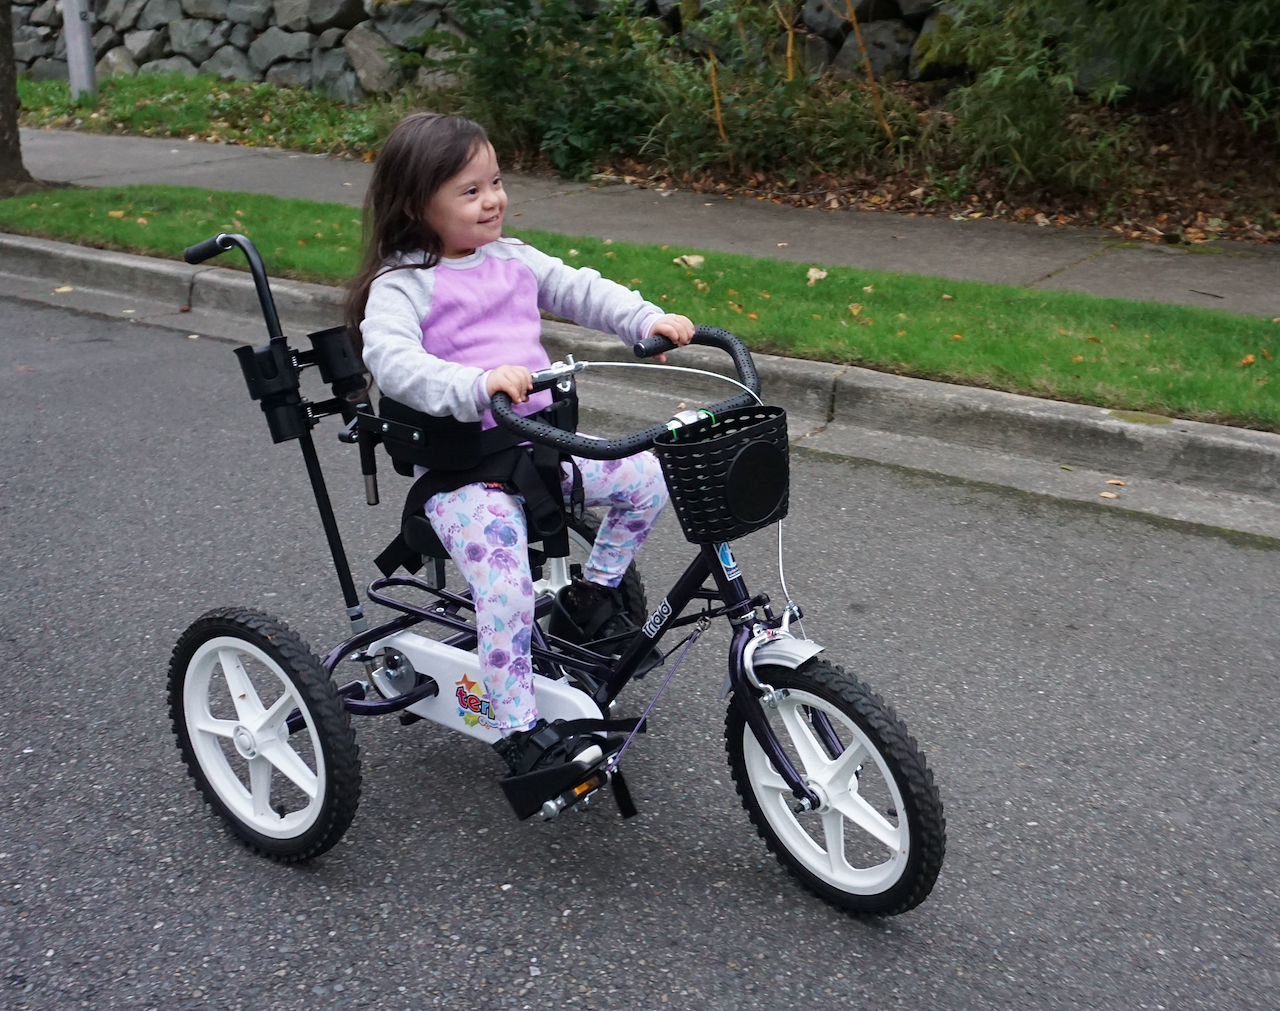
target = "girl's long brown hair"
x: 424, y: 151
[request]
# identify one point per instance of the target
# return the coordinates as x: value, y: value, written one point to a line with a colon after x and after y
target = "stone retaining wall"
x: 347, y: 47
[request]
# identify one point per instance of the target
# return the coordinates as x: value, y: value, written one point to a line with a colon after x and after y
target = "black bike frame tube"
x: 672, y: 604
x: 354, y: 609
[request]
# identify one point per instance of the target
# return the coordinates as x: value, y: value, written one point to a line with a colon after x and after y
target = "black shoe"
x: 586, y: 612
x: 543, y: 746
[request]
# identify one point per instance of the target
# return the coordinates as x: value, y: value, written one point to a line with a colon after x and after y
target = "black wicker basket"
x: 727, y: 475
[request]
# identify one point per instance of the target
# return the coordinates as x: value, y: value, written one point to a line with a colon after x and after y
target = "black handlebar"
x: 629, y: 445
x: 206, y: 250
x: 223, y: 241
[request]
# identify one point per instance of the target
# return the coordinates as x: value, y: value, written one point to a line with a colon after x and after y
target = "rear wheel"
x: 876, y: 842
x: 264, y: 734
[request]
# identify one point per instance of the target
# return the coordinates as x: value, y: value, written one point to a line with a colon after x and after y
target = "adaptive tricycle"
x: 827, y: 772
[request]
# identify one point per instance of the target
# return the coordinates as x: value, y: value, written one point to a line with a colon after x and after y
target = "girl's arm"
x: 588, y: 299
x: 392, y: 331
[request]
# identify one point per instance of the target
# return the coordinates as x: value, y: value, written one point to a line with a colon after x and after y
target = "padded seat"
x: 421, y: 537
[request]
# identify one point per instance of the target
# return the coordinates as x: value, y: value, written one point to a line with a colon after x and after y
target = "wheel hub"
x: 244, y: 741
x: 819, y: 791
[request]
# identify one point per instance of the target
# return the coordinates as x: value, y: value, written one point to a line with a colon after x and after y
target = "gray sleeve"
x: 392, y: 331
x: 588, y: 299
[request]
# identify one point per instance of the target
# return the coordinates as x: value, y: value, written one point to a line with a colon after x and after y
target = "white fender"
x: 461, y: 704
x: 774, y: 647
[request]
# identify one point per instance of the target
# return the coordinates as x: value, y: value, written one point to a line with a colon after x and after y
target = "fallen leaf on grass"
x: 902, y: 333
x: 1247, y: 360
x: 1077, y: 358
x: 610, y: 255
x: 815, y: 274
x: 573, y: 252
x: 1266, y: 354
x: 855, y: 308
x: 114, y: 214
x: 1116, y: 481
x: 752, y: 315
x: 957, y: 337
x: 817, y: 316
x: 1093, y: 340
x: 63, y: 290
x: 1107, y: 494
x: 947, y: 298
x: 735, y: 307
x: 917, y: 193
x: 690, y: 260
x: 765, y: 294
x: 142, y: 221
x: 869, y: 288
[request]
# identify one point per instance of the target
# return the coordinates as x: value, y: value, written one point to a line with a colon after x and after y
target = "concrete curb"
x: 822, y: 400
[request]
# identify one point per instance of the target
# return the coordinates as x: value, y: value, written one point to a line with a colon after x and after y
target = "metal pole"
x: 77, y: 29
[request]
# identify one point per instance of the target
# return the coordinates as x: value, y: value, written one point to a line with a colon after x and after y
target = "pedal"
x: 528, y: 794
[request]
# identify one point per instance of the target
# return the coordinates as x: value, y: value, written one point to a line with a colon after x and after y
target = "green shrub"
x: 1021, y: 114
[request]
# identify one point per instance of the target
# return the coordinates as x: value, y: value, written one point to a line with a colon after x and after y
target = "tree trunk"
x: 12, y: 172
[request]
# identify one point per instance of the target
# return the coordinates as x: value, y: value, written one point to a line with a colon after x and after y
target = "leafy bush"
x: 541, y: 78
x: 1022, y: 114
x: 1222, y: 54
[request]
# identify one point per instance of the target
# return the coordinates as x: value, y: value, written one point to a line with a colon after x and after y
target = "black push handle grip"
x: 223, y: 241
x: 208, y: 249
x: 629, y: 445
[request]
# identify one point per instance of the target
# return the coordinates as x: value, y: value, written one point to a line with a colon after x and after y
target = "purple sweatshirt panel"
x: 487, y: 315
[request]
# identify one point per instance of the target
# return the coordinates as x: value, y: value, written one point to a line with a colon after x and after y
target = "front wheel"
x: 875, y: 844
x: 263, y: 733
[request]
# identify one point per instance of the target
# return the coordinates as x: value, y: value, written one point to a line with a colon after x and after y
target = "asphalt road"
x: 1097, y: 695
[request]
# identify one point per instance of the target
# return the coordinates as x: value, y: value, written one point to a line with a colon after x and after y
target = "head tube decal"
x: 727, y: 561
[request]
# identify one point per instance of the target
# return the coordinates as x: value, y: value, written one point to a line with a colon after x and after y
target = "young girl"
x: 448, y: 313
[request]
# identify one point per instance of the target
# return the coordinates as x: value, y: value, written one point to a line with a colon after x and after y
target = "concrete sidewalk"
x: 1236, y: 277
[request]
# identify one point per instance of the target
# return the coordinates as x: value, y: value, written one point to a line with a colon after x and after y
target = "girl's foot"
x: 585, y: 612
x: 543, y: 745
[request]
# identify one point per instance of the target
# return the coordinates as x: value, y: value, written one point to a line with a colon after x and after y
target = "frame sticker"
x: 727, y: 561
x: 656, y: 619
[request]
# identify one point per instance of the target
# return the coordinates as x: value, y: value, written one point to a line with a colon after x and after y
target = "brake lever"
x: 544, y: 379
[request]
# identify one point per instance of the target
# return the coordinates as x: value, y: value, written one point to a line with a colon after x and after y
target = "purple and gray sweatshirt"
x: 432, y: 336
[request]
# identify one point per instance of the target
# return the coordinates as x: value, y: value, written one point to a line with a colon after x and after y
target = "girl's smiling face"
x: 466, y: 212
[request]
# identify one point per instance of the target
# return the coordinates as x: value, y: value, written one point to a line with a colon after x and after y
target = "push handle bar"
x: 206, y: 250
x: 223, y: 241
x: 629, y: 445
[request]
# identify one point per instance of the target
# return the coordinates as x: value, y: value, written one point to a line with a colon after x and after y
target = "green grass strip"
x: 204, y: 108
x: 1169, y: 360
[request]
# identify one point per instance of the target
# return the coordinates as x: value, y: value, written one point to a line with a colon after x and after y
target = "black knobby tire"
x: 287, y: 823
x: 632, y: 586
x: 894, y: 879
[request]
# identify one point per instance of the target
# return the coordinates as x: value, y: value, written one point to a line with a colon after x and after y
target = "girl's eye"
x: 472, y: 192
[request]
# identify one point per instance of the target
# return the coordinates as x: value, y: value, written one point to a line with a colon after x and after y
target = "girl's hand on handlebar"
x: 514, y: 380
x: 677, y: 329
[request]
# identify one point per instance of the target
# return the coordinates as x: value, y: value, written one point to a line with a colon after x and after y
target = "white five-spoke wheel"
x: 263, y: 733
x: 875, y: 842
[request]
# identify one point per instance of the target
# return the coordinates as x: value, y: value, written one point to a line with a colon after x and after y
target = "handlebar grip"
x: 567, y: 442
x: 655, y: 345
x: 206, y: 250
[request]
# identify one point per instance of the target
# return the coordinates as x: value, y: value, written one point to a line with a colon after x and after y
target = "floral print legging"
x: 483, y: 529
